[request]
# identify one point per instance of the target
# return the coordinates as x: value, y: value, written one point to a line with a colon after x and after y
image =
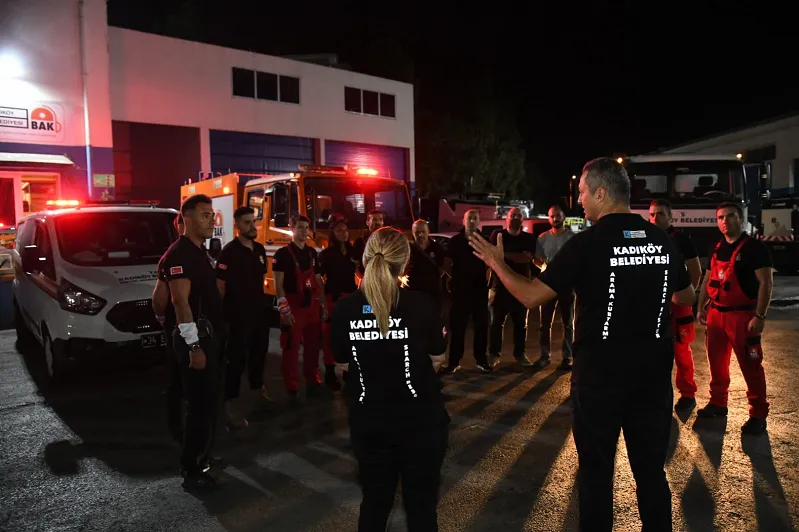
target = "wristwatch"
x: 195, y: 347
x: 760, y: 316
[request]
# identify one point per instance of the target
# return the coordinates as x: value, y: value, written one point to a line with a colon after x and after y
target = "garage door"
x: 255, y: 153
x: 388, y: 160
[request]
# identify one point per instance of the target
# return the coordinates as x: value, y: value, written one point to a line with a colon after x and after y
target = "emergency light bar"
x: 320, y: 168
x: 63, y: 203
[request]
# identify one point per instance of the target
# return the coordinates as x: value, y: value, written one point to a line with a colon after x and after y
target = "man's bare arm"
x: 766, y: 278
x: 279, y: 292
x: 694, y: 271
x: 160, y: 297
x: 685, y: 297
x: 180, y: 290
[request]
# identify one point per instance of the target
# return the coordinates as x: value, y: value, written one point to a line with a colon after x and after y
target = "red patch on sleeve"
x: 176, y: 270
x: 222, y: 266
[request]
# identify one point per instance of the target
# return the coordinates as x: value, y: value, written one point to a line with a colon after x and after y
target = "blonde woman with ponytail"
x: 390, y: 341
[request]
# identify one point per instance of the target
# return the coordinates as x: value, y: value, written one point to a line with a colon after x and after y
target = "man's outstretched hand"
x: 488, y: 253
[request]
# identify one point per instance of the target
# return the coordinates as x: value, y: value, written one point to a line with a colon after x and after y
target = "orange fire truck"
x: 313, y: 191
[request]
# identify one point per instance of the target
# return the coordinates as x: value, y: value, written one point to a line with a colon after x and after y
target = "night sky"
x: 618, y: 77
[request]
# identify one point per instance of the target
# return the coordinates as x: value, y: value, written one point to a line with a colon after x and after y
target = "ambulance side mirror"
x: 214, y: 248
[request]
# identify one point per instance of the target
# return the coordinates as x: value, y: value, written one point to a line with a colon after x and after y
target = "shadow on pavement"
x: 771, y: 506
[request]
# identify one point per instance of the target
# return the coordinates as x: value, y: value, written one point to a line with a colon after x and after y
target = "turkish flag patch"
x: 222, y: 266
x: 176, y: 270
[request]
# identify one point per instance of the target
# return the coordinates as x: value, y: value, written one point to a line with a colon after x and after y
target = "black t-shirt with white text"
x: 391, y: 384
x: 753, y: 256
x: 623, y: 271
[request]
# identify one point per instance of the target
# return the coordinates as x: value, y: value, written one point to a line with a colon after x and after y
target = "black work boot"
x: 712, y: 411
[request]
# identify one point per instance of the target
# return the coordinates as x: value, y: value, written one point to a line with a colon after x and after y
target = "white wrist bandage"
x: 188, y: 331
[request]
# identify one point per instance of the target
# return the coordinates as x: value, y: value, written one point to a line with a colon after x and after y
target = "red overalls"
x: 682, y: 323
x: 306, y: 329
x: 728, y: 317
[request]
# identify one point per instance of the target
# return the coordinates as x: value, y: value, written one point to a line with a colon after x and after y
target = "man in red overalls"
x: 301, y: 300
x: 733, y: 305
x: 682, y: 316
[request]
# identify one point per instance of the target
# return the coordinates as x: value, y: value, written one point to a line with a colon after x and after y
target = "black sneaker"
x: 485, y: 367
x: 755, y: 426
x: 712, y: 411
x: 542, y: 362
x: 202, y: 481
x: 215, y: 461
x: 524, y: 361
x: 685, y: 403
x: 565, y: 365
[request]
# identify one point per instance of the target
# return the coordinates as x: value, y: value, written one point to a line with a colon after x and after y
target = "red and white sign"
x: 176, y: 270
x: 34, y: 122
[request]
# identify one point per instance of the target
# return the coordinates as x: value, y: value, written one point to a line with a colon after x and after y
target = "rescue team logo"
x: 635, y: 234
x: 176, y: 270
x: 222, y: 266
x: 31, y: 121
x: 367, y: 309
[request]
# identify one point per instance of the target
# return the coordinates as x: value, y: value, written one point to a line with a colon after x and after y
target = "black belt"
x: 685, y: 320
x: 730, y: 309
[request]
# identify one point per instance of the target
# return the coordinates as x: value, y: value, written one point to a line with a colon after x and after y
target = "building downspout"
x: 84, y: 74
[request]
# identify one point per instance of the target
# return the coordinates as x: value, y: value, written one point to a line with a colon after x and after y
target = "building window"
x: 289, y: 89
x: 387, y: 106
x: 352, y: 100
x: 265, y: 86
x: 243, y: 83
x: 369, y: 102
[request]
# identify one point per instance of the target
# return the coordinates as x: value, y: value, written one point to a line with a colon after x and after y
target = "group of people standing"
x: 633, y: 284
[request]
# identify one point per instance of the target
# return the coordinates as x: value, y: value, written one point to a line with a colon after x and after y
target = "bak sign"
x: 223, y: 218
x: 40, y: 122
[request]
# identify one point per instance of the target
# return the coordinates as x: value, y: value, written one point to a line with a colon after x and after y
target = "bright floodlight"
x: 10, y: 66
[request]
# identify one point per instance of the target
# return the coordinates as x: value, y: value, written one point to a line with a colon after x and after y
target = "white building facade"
x: 775, y: 143
x: 90, y: 111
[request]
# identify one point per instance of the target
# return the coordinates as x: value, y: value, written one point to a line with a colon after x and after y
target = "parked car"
x: 85, y: 277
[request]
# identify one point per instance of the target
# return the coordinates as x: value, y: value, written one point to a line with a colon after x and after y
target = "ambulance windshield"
x: 686, y: 182
x: 114, y: 238
x: 353, y: 198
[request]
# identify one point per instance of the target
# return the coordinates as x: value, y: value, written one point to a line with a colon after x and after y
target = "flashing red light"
x: 366, y: 171
x: 63, y: 203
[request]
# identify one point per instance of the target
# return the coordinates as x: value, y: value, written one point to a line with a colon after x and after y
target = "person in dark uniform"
x: 337, y: 265
x: 733, y: 304
x: 625, y: 272
x: 682, y: 317
x: 390, y: 340
x: 469, y: 297
x: 301, y: 299
x: 240, y: 271
x: 197, y: 338
x: 165, y: 314
x: 519, y: 252
x: 374, y: 221
x: 424, y: 267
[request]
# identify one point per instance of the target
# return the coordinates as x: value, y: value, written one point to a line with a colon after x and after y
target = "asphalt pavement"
x: 94, y: 454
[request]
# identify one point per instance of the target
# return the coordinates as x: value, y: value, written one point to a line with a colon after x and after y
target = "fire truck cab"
x: 314, y: 191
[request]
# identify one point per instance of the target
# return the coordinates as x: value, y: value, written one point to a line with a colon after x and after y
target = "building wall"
x: 44, y: 38
x: 161, y: 80
x: 783, y: 135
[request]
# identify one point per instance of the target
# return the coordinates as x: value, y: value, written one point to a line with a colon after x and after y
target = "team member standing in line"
x: 682, y: 316
x: 374, y: 221
x: 424, y: 267
x: 546, y: 247
x: 469, y: 297
x: 389, y: 339
x: 165, y: 315
x: 337, y: 265
x: 623, y: 345
x: 197, y: 341
x: 519, y: 251
x: 240, y: 271
x: 733, y: 304
x: 301, y: 300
